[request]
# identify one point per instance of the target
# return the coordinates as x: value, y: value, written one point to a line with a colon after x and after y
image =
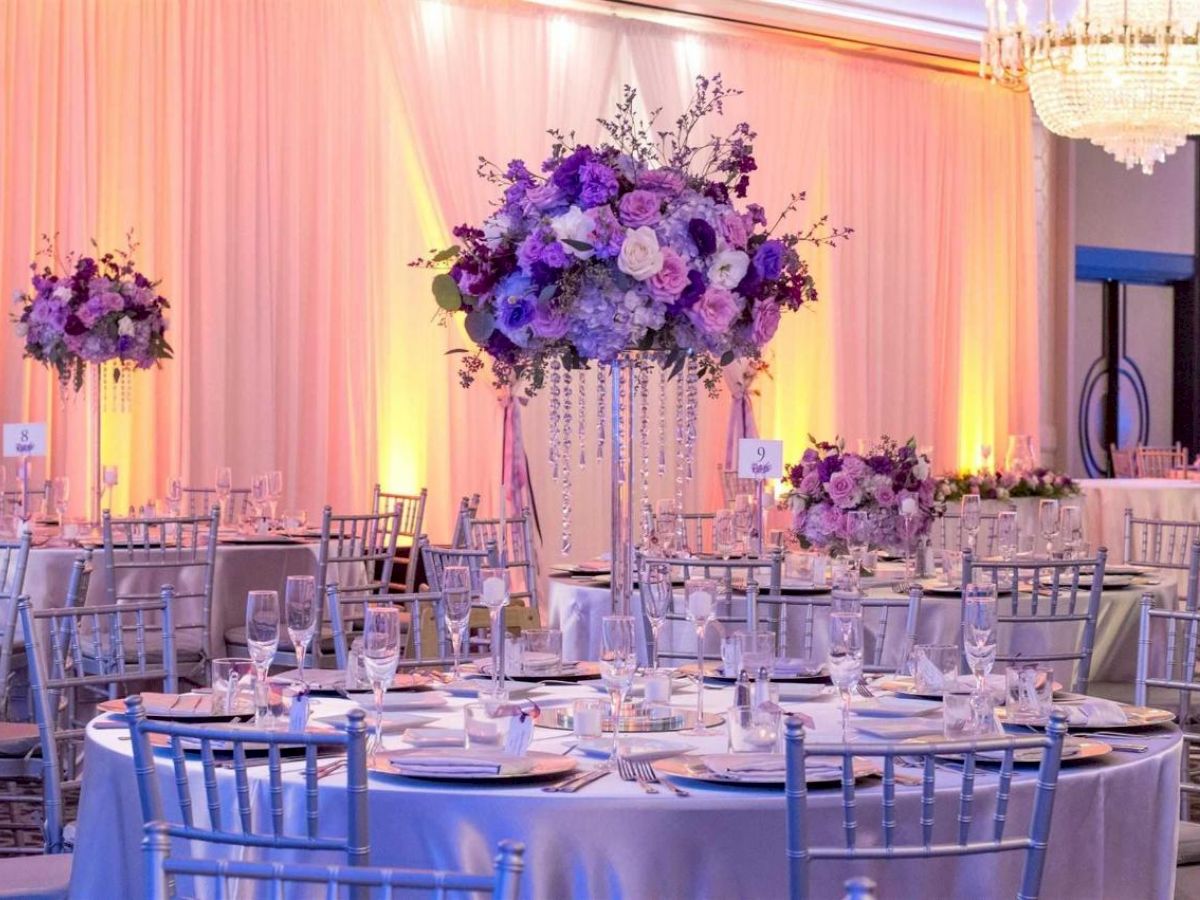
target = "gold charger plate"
x: 223, y: 748
x: 1139, y: 717
x: 532, y: 766
x: 1075, y: 750
x: 580, y: 671
x: 190, y: 708
x: 693, y: 768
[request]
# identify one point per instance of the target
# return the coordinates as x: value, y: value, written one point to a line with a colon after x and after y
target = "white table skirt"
x: 610, y: 840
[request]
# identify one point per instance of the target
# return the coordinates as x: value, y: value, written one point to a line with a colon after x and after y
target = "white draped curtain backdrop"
x: 282, y: 162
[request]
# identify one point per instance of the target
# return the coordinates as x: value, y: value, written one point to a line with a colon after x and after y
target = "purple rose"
x: 567, y: 175
x: 542, y: 198
x: 548, y: 323
x: 769, y: 260
x: 855, y: 466
x: 664, y: 181
x: 766, y: 322
x: 597, y: 184
x: 715, y: 311
x: 810, y: 483
x: 703, y: 235
x: 885, y: 495
x: 516, y: 314
x: 671, y: 279
x: 639, y: 208
x: 733, y: 229
x: 843, y: 490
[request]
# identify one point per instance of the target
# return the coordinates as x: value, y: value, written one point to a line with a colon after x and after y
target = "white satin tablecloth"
x: 611, y: 840
x: 1149, y: 498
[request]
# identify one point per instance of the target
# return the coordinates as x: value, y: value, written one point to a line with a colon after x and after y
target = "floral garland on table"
x: 97, y: 311
x: 888, y: 481
x: 635, y: 243
x: 1039, y: 482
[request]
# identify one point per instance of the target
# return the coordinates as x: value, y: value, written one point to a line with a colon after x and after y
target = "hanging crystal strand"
x: 620, y: 427
x: 662, y: 422
x: 680, y: 431
x: 554, y: 393
x: 582, y: 404
x: 601, y: 407
x: 692, y: 400
x: 643, y: 388
x: 565, y: 450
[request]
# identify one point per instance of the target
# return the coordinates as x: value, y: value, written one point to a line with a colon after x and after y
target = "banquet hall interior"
x: 600, y: 449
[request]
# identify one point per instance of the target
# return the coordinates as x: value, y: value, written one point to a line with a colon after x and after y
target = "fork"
x: 626, y: 771
x: 863, y: 689
x: 646, y: 771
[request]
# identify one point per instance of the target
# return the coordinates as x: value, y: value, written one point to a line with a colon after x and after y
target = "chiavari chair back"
x: 1157, y: 462
x: 882, y: 616
x: 1164, y: 544
x: 946, y: 533
x: 199, y: 500
x: 468, y: 508
x: 425, y: 640
x: 520, y: 556
x: 14, y: 561
x: 1124, y: 462
x: 411, y: 510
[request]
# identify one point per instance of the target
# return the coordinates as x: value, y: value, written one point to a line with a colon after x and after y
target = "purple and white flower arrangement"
x: 637, y: 243
x: 888, y: 482
x: 92, y: 311
x: 1037, y: 482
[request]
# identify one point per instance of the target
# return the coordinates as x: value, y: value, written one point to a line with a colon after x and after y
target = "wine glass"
x: 175, y: 495
x: 381, y: 655
x: 223, y: 488
x: 1008, y: 535
x: 456, y: 607
x: 495, y: 598
x: 1071, y: 525
x: 979, y: 630
x: 725, y: 535
x: 274, y: 490
x: 300, y: 610
x: 618, y: 663
x: 657, y: 598
x: 62, y: 495
x: 111, y: 477
x: 972, y: 518
x: 743, y: 520
x: 858, y: 539
x: 845, y: 658
x: 664, y: 524
x: 260, y: 496
x: 262, y: 641
x: 700, y: 607
x: 1048, y: 519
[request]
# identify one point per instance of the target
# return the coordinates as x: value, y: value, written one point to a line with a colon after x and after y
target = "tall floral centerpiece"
x: 89, y: 312
x: 632, y: 253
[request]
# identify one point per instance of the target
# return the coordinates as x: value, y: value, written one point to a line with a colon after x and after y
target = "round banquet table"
x: 576, y: 606
x: 611, y: 840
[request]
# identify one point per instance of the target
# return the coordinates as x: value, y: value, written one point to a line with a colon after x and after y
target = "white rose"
x: 640, y: 255
x: 125, y: 326
x: 495, y: 228
x: 921, y: 469
x: 574, y: 225
x: 728, y: 268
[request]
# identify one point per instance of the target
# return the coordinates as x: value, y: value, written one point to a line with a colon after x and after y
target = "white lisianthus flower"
x: 62, y: 293
x: 921, y: 469
x: 728, y: 268
x: 640, y: 255
x: 574, y: 225
x: 125, y: 326
x: 495, y: 228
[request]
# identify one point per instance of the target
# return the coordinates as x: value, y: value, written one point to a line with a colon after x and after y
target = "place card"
x: 25, y: 439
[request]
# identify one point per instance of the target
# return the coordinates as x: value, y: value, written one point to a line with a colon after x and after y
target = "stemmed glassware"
x: 979, y: 630
x: 657, y: 597
x: 62, y: 496
x: 700, y: 607
x: 972, y: 518
x: 1008, y: 535
x: 223, y: 488
x: 665, y: 517
x: 495, y: 590
x: 743, y: 521
x: 845, y: 657
x: 381, y: 656
x: 724, y: 533
x: 456, y: 607
x: 262, y: 641
x: 274, y: 491
x: 174, y: 495
x: 985, y: 453
x: 858, y: 540
x: 260, y: 497
x: 618, y: 664
x: 300, y: 610
x: 111, y: 476
x: 1071, y: 525
x: 909, y: 525
x: 1048, y: 519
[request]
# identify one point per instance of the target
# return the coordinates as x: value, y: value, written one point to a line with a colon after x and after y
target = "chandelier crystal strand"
x: 662, y: 422
x: 1124, y: 74
x: 680, y: 431
x: 582, y: 406
x: 565, y: 450
x: 553, y: 422
x: 601, y: 408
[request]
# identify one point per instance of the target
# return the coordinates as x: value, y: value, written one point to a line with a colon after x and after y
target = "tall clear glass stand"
x: 96, y: 488
x: 622, y: 389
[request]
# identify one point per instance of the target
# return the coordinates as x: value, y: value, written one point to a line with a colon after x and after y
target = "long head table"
x: 1113, y: 831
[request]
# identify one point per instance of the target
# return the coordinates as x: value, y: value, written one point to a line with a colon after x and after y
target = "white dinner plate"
x: 894, y: 707
x: 899, y: 729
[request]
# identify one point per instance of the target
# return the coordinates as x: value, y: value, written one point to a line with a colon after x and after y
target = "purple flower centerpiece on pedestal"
x: 887, y: 482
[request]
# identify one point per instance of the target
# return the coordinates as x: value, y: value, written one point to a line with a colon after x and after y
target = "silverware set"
x: 576, y: 781
x: 643, y: 773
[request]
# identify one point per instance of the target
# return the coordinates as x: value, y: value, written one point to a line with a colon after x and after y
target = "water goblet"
x: 858, y: 539
x: 845, y: 658
x: 260, y: 497
x: 618, y: 664
x: 1071, y: 526
x: 174, y: 495
x: 381, y: 656
x: 979, y: 629
x: 725, y: 534
x: 300, y: 612
x: 972, y: 518
x: 62, y: 495
x: 743, y: 521
x: 456, y: 607
x: 1048, y: 519
x: 657, y: 599
x: 495, y: 594
x: 274, y: 489
x: 262, y: 641
x: 700, y: 607
x: 223, y: 488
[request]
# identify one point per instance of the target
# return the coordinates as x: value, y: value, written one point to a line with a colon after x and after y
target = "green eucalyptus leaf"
x: 581, y: 246
x: 480, y: 326
x: 447, y: 254
x: 455, y: 350
x: 727, y: 358
x: 446, y: 293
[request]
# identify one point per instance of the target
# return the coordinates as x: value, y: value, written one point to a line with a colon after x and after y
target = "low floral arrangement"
x: 889, y: 481
x: 94, y: 312
x: 1039, y: 482
x: 635, y: 243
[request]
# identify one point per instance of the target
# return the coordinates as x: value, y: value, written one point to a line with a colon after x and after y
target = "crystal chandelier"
x: 1125, y: 74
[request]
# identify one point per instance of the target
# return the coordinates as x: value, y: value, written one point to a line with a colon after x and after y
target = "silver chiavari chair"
x: 732, y: 485
x: 163, y: 869
x: 520, y: 555
x: 698, y: 532
x: 250, y: 818
x: 425, y: 643
x: 14, y: 561
x: 468, y: 507
x: 13, y: 499
x: 1045, y: 594
x: 887, y: 843
x: 1157, y: 462
x: 881, y: 616
x: 516, y: 618
x: 199, y: 500
x: 177, y: 550
x: 759, y: 580
x: 64, y: 689
x: 411, y: 509
x: 1124, y: 462
x: 1164, y: 544
x: 946, y: 533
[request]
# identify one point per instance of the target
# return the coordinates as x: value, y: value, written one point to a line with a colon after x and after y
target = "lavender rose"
x: 766, y: 322
x: 769, y: 260
x: 733, y: 229
x: 715, y: 311
x: 548, y: 323
x: 843, y: 490
x: 671, y: 279
x: 639, y: 208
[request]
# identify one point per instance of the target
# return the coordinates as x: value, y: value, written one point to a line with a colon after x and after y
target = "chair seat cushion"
x: 183, y: 654
x: 236, y: 637
x: 36, y: 877
x: 17, y: 739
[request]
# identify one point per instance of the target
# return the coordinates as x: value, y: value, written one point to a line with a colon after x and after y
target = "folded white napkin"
x: 464, y: 763
x: 1094, y: 711
x: 736, y: 764
x: 793, y: 666
x: 435, y: 737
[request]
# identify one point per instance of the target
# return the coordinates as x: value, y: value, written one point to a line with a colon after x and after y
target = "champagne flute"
x: 1008, y: 535
x: 979, y: 630
x: 381, y: 656
x: 664, y: 524
x: 700, y: 607
x: 456, y: 607
x: 858, y: 540
x: 743, y: 520
x: 62, y: 495
x: 223, y: 488
x: 1071, y: 525
x: 657, y: 597
x: 274, y: 490
x: 175, y: 495
x: 845, y: 658
x: 618, y: 663
x: 1048, y: 519
x: 972, y: 518
x: 495, y: 598
x: 300, y: 609
x: 262, y: 641
x: 260, y: 497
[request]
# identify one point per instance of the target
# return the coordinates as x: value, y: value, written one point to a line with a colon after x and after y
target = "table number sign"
x: 25, y: 439
x: 760, y: 460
